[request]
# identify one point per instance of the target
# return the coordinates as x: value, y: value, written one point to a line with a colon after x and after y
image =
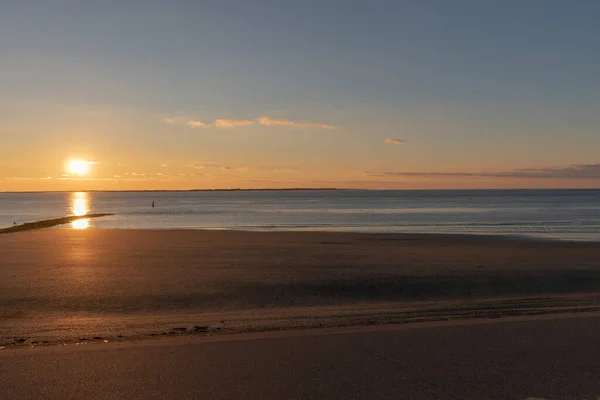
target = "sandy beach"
x: 539, y: 358
x: 62, y: 285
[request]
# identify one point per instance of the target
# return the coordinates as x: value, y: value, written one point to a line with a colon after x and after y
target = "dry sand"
x: 66, y: 285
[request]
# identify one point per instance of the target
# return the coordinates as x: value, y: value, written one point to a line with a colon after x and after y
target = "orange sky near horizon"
x: 152, y: 152
x: 376, y: 95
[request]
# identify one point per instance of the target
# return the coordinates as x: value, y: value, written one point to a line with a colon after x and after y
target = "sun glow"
x: 80, y: 208
x: 81, y: 224
x: 78, y: 167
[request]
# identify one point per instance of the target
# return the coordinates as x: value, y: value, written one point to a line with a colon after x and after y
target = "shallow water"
x: 559, y: 214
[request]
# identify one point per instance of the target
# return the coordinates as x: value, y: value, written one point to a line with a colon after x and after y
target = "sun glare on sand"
x: 78, y: 167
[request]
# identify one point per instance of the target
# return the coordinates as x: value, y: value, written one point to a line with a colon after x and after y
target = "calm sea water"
x: 564, y: 214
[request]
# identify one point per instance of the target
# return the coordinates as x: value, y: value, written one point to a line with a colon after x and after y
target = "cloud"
x: 575, y: 171
x: 164, y: 165
x: 162, y: 174
x: 136, y: 173
x: 282, y: 171
x: 236, y: 123
x: 232, y: 123
x: 101, y: 179
x: 267, y: 121
x: 194, y: 174
x: 196, y: 166
x: 239, y: 169
x: 393, y: 141
x: 196, y: 124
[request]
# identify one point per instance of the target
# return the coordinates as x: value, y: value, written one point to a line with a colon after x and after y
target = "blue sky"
x: 476, y: 89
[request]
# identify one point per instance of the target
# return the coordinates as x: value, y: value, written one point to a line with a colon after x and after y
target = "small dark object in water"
x: 20, y: 340
x: 180, y: 329
x: 98, y: 338
x: 120, y: 336
x: 152, y: 203
x: 82, y: 339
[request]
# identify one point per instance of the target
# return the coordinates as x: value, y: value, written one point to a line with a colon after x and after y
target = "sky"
x: 182, y: 94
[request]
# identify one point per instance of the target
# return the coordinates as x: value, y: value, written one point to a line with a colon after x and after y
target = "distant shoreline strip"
x: 49, y: 223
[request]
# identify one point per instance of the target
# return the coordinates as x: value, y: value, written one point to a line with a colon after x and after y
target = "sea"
x: 552, y: 214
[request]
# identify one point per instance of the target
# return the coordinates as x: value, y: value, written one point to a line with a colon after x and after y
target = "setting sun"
x: 78, y: 167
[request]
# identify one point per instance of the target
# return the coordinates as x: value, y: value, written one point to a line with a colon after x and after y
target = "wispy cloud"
x: 164, y: 165
x: 282, y: 171
x: 227, y: 168
x: 196, y: 166
x: 393, y: 141
x: 268, y: 121
x: 575, y: 171
x: 192, y: 175
x: 161, y: 174
x: 233, y: 123
x: 192, y: 122
x: 113, y: 178
x: 196, y: 124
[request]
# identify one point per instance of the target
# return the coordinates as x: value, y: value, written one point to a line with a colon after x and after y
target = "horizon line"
x: 284, y: 189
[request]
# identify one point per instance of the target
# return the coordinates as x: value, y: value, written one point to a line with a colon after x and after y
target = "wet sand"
x: 537, y: 359
x: 60, y: 285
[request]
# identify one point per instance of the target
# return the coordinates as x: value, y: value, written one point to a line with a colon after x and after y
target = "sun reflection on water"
x: 79, y: 208
x: 81, y: 223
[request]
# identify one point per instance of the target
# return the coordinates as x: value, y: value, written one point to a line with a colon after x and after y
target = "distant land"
x: 306, y: 189
x: 183, y: 190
